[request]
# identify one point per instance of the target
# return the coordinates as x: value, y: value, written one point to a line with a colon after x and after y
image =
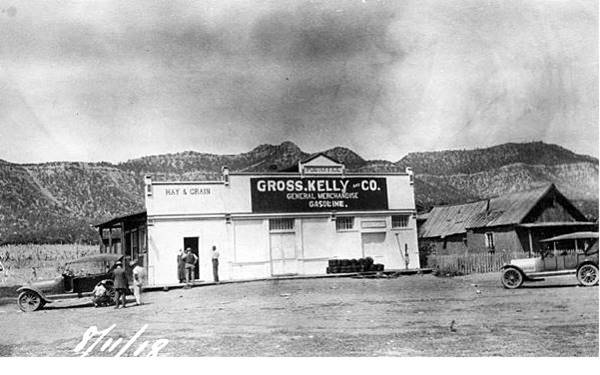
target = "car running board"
x: 531, y: 279
x: 56, y: 297
x: 551, y: 273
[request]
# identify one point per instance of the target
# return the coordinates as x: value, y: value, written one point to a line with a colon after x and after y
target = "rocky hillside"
x: 54, y: 202
x: 479, y: 160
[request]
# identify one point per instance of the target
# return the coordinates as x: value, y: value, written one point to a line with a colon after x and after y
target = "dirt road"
x: 406, y: 316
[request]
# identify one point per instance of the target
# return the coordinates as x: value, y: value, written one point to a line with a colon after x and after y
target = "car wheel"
x: 512, y: 278
x: 587, y: 275
x: 29, y: 301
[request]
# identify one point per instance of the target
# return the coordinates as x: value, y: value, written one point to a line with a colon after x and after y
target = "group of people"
x: 103, y: 292
x: 114, y: 291
x: 187, y: 261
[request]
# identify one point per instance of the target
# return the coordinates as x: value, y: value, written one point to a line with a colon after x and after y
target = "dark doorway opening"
x: 192, y: 243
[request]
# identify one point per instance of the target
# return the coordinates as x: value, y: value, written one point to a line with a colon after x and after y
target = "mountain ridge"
x: 57, y: 201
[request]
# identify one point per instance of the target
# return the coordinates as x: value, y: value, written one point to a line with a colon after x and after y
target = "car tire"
x: 29, y: 301
x: 512, y: 278
x: 587, y: 275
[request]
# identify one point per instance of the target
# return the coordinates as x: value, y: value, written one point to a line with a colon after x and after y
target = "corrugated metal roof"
x: 514, y: 207
x: 448, y: 220
x: 504, y: 210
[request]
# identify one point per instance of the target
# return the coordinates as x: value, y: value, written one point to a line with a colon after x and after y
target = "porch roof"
x: 572, y: 236
x: 138, y: 216
x: 556, y: 224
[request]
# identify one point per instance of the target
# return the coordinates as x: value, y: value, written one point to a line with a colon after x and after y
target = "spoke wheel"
x: 512, y: 278
x: 29, y: 301
x: 587, y: 275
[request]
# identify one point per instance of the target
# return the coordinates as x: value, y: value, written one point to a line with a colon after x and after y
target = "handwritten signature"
x: 109, y: 345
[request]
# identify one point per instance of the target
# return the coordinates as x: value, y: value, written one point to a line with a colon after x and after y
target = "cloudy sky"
x: 112, y: 80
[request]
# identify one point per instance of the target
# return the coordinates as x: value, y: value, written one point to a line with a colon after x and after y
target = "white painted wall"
x: 165, y: 238
x: 401, y: 194
x: 186, y: 198
x: 239, y: 198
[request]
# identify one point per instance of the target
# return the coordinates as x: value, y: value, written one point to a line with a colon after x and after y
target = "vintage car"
x: 556, y: 262
x: 79, y: 278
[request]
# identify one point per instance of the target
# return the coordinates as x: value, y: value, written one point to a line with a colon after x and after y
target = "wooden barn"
x: 515, y: 222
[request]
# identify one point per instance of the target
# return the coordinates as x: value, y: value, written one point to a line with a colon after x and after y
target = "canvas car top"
x: 97, y: 258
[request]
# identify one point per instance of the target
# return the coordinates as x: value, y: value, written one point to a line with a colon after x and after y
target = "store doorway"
x: 283, y: 254
x: 374, y: 246
x: 192, y: 243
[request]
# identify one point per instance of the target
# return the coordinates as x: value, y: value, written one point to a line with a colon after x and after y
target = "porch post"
x: 101, y: 232
x: 110, y: 240
x: 530, y: 242
x: 123, y: 250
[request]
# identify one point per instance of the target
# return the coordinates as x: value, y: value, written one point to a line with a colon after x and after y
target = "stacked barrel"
x: 353, y: 265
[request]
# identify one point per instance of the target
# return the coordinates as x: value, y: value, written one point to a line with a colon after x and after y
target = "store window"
x: 344, y: 223
x: 399, y: 221
x: 281, y: 224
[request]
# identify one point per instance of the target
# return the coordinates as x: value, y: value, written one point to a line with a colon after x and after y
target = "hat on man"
x: 133, y: 262
x: 118, y: 263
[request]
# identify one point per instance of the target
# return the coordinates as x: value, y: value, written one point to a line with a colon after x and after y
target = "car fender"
x: 525, y: 277
x: 34, y: 289
x: 512, y: 266
x: 587, y: 261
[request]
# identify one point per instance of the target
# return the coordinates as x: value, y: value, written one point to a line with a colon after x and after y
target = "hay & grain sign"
x: 318, y: 194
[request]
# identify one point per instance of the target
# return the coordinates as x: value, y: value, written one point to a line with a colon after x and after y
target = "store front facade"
x: 284, y: 223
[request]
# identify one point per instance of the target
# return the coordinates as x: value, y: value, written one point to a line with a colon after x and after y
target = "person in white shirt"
x: 215, y: 262
x: 138, y: 281
x: 100, y: 295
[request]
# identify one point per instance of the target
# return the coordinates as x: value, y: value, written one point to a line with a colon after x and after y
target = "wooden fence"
x: 470, y: 263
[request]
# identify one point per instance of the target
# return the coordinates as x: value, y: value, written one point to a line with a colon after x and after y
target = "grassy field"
x: 23, y: 263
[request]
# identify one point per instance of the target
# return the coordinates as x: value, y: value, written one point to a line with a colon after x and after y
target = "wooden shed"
x: 515, y: 222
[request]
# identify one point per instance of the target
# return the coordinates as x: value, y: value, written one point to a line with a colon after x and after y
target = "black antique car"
x: 78, y: 280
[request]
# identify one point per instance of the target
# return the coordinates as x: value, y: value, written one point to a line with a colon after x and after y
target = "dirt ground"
x: 405, y: 316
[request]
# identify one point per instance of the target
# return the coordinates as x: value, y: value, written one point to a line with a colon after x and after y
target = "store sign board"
x: 187, y: 191
x: 373, y: 224
x: 274, y: 194
x: 309, y: 169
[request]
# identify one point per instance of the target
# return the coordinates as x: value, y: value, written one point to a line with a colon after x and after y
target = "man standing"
x: 215, y: 262
x: 138, y: 281
x: 181, y: 266
x: 190, y: 263
x: 120, y: 283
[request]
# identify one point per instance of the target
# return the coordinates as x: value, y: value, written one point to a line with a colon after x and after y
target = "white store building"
x: 281, y: 223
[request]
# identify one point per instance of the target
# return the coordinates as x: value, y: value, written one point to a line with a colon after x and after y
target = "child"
x: 99, y: 295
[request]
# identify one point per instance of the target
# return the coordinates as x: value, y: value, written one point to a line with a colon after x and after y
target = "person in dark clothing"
x: 181, y: 266
x: 215, y: 262
x: 120, y: 284
x: 190, y: 263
